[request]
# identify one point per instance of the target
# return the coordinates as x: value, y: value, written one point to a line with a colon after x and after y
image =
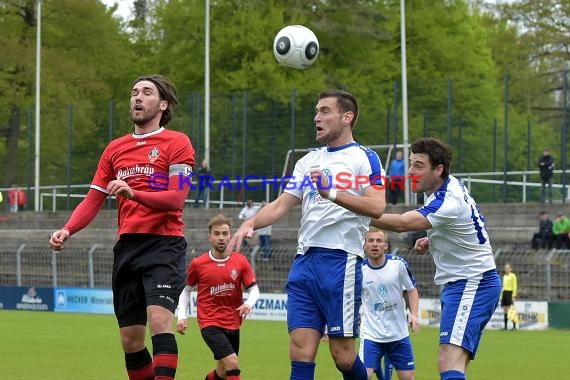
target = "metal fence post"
x: 548, y: 275
x: 91, y: 271
x: 54, y: 199
x: 54, y: 268
x: 524, y: 189
x: 19, y: 265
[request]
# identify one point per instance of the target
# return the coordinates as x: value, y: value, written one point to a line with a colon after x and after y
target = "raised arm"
x: 371, y: 203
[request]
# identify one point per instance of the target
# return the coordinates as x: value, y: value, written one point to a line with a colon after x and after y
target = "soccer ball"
x: 296, y: 46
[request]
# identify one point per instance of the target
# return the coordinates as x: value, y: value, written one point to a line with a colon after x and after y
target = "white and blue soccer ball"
x: 296, y: 46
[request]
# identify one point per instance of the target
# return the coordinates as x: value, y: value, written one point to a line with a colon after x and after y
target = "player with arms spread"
x: 220, y: 278
x: 335, y: 186
x: 461, y: 251
x: 146, y: 171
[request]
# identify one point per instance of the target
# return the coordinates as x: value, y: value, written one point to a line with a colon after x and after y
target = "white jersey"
x: 325, y: 224
x: 383, y: 306
x: 459, y: 242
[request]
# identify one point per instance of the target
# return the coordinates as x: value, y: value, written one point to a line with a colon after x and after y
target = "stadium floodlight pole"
x: 404, y: 95
x: 207, y: 84
x: 37, y: 148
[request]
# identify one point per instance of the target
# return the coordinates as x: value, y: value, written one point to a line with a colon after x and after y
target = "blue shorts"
x: 466, y: 307
x: 324, y: 288
x: 399, y: 353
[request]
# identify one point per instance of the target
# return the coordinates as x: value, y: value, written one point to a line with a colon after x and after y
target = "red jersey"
x: 220, y: 284
x: 145, y: 162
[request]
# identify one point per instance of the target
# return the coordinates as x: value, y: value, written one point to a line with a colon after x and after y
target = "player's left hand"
x: 244, y: 310
x: 415, y: 324
x: 321, y: 182
x: 120, y: 188
x: 422, y: 245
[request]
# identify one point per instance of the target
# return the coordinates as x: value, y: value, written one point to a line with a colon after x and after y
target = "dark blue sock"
x: 452, y: 375
x: 356, y: 372
x: 302, y: 371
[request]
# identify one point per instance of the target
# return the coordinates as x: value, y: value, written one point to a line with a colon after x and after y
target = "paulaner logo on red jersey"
x: 221, y: 288
x: 134, y: 170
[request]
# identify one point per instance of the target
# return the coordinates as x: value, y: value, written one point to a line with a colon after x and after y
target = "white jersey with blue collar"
x: 383, y: 307
x: 459, y: 242
x: 324, y: 224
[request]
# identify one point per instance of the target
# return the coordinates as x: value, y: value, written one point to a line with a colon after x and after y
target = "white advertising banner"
x: 533, y: 315
x: 269, y: 307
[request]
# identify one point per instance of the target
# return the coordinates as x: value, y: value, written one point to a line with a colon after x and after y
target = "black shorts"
x: 507, y: 298
x: 147, y: 270
x: 222, y: 342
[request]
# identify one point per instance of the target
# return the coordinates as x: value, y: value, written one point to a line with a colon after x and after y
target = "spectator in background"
x: 396, y: 177
x: 546, y: 166
x: 509, y: 292
x: 16, y: 199
x: 204, y: 176
x: 543, y: 238
x: 247, y: 213
x: 560, y: 231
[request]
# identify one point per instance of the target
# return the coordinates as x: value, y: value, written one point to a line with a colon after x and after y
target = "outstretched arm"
x: 268, y: 215
x: 83, y: 214
x: 408, y: 221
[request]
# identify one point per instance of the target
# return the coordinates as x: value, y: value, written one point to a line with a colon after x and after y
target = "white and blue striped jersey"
x: 383, y: 306
x: 325, y: 224
x: 459, y: 242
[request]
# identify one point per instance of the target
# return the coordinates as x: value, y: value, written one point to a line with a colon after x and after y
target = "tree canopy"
x: 458, y: 57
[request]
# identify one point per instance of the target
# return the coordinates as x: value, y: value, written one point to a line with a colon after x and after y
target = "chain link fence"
x: 542, y: 275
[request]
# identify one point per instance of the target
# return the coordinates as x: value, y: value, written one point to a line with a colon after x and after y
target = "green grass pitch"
x: 42, y: 345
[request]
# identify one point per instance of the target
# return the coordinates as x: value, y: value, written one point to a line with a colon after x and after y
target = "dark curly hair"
x: 438, y: 153
x: 167, y: 92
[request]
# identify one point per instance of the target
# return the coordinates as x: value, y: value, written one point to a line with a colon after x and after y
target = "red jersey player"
x: 146, y: 171
x: 221, y: 308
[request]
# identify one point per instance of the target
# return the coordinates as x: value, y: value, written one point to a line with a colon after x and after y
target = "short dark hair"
x: 167, y: 92
x: 346, y: 101
x: 438, y: 153
x: 219, y: 220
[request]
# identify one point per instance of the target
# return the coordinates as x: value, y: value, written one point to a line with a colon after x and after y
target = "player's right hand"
x: 58, y: 238
x: 181, y: 326
x: 244, y: 231
x: 422, y: 245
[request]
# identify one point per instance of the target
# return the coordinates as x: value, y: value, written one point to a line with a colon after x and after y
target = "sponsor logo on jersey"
x: 135, y: 170
x: 218, y: 289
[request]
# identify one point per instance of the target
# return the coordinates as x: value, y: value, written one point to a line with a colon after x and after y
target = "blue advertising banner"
x: 83, y: 300
x: 26, y: 298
